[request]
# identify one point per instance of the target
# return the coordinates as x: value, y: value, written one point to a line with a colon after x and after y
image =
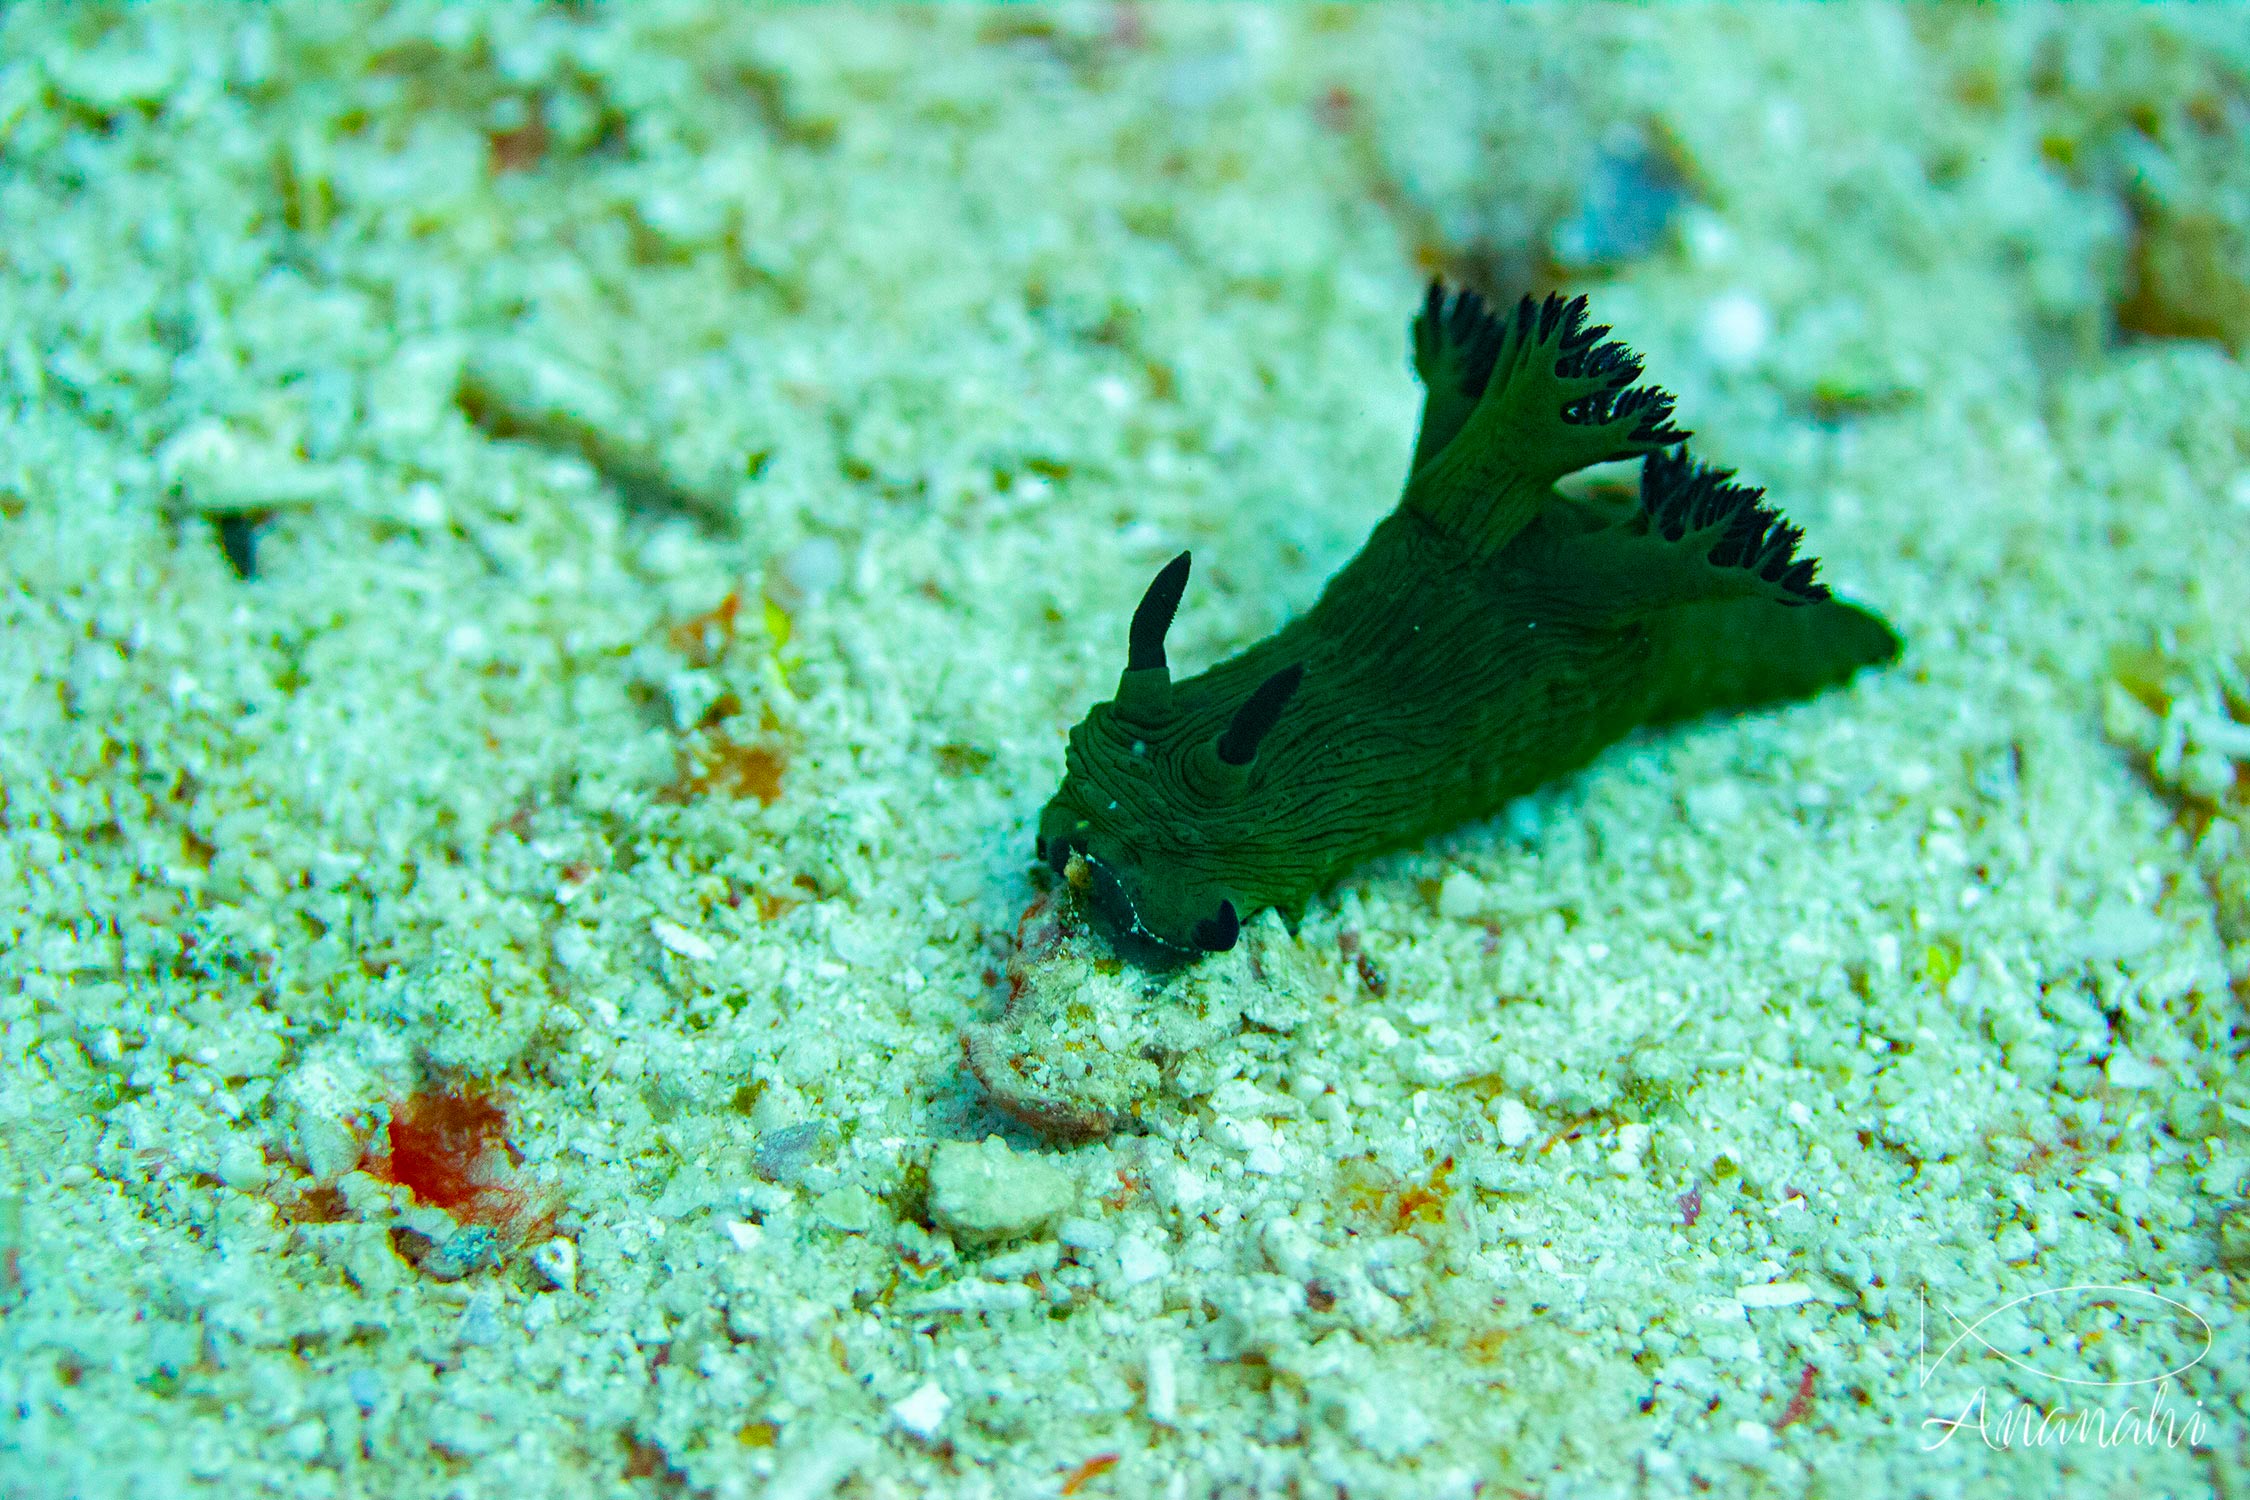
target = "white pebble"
x: 330, y: 1114
x: 985, y: 1193
x: 1460, y: 896
x: 242, y: 1166
x: 480, y: 1322
x: 2119, y: 932
x: 1085, y: 1234
x: 806, y: 573
x: 423, y: 504
x: 677, y: 939
x: 1514, y: 1123
x: 1037, y: 1258
x: 1163, y: 1386
x: 1138, y: 1260
x: 1773, y: 1294
x: 326, y: 1146
x: 1735, y: 329
x: 850, y: 1209
x: 923, y: 1412
x: 557, y: 1262
x: 2128, y: 1072
x: 1632, y: 1142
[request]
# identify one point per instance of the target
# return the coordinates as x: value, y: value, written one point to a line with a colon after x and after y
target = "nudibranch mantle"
x: 1491, y: 635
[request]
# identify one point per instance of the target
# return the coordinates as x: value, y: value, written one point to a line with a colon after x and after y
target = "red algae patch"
x: 449, y: 1148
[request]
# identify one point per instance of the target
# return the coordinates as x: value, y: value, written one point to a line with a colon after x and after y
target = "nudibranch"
x: 1491, y: 635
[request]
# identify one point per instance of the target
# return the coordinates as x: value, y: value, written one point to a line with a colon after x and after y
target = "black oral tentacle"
x: 1218, y: 933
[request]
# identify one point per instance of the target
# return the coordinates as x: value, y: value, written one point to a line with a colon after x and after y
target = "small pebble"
x: 1459, y: 896
x: 1037, y: 1258
x: 326, y: 1146
x: 807, y: 573
x: 1085, y: 1234
x: 1162, y: 1384
x: 2116, y: 933
x: 679, y: 940
x: 480, y: 1322
x: 985, y: 1193
x: 365, y: 1387
x: 923, y: 1412
x: 557, y: 1263
x: 786, y: 1154
x: 1139, y: 1260
x: 1736, y: 328
x: 1514, y: 1123
x: 1632, y: 1142
x: 306, y: 1441
x: 852, y: 1210
x: 242, y: 1166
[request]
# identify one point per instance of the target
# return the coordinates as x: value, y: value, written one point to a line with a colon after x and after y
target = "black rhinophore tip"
x: 1258, y: 714
x: 1217, y: 934
x: 1144, y: 647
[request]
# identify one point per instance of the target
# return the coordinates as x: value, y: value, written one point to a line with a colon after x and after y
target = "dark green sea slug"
x: 1492, y: 635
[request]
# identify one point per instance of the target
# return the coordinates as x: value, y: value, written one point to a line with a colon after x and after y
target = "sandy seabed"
x: 548, y: 557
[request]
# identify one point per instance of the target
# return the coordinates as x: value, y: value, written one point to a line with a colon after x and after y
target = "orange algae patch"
x: 319, y: 1205
x: 449, y: 1148
x: 1369, y: 1191
x: 1100, y: 1463
x: 1484, y: 1346
x: 712, y: 760
x: 706, y: 637
x: 729, y: 768
x: 1425, y: 1204
x: 521, y: 146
